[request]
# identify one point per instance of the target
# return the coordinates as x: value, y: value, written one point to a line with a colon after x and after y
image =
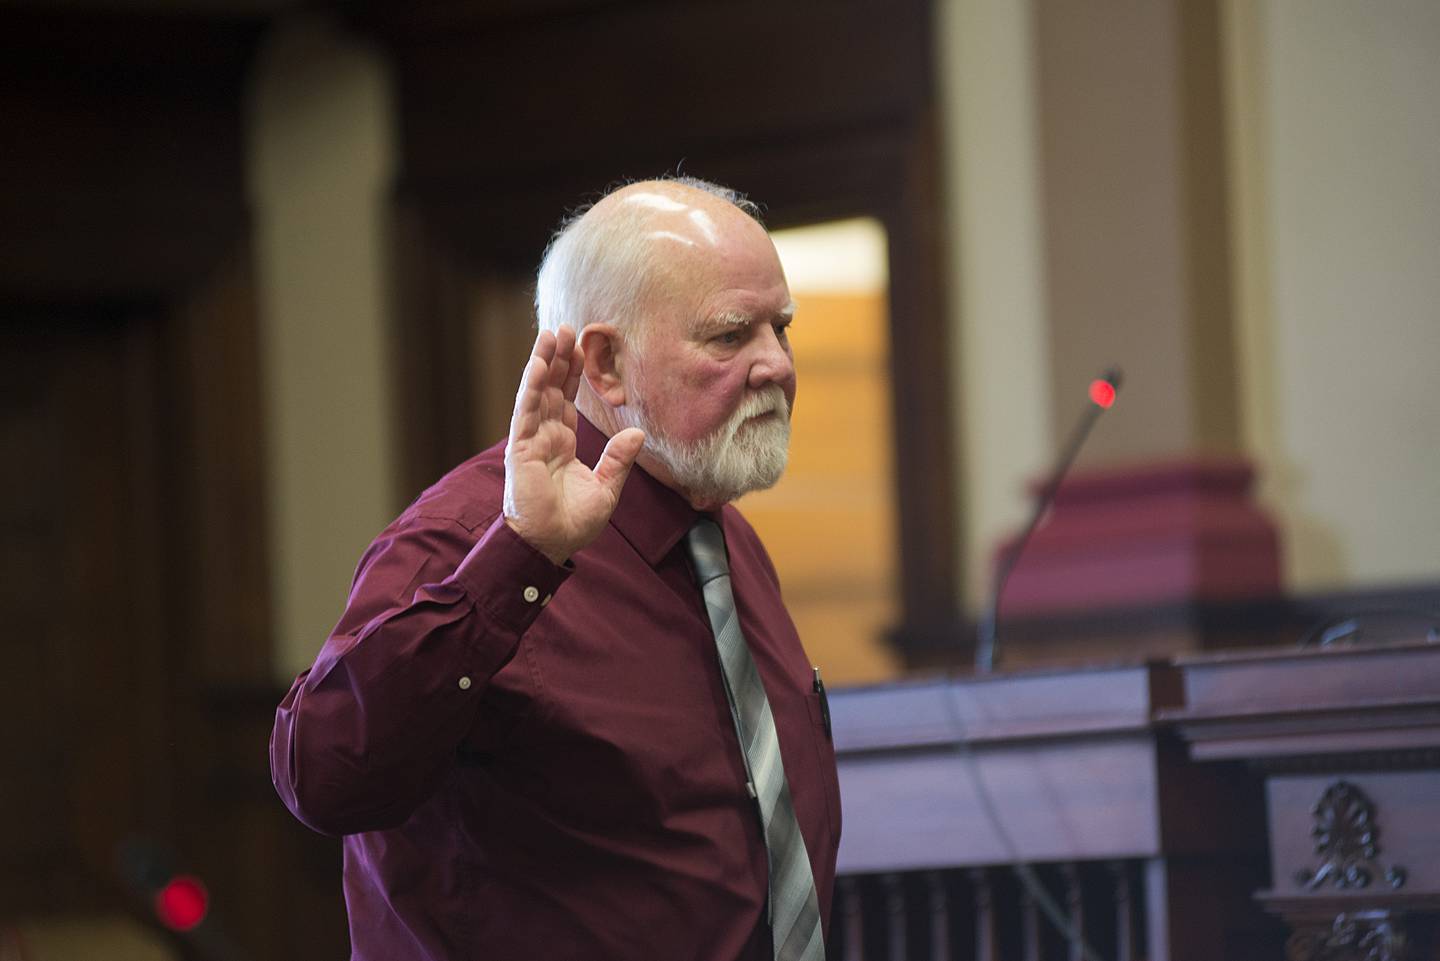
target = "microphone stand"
x: 985, y: 651
x: 985, y: 648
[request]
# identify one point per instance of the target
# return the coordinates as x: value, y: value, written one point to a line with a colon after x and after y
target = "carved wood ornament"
x: 1354, y: 937
x: 1346, y: 838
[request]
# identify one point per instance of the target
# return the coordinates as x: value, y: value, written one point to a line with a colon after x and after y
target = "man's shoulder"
x: 471, y: 494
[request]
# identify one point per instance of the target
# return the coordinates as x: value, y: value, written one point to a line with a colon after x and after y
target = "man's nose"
x: 773, y: 362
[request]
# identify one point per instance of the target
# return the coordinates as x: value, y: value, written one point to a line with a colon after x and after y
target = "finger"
x: 544, y: 351
x: 525, y: 421
x: 526, y: 416
x: 568, y: 414
x: 545, y: 343
x: 552, y: 402
x: 619, y: 457
x: 564, y: 354
x: 577, y: 369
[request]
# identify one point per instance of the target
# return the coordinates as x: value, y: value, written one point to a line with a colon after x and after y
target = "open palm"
x: 552, y: 500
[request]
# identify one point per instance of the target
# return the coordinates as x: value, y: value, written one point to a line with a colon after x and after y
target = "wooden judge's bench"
x: 1180, y: 762
x: 1275, y: 803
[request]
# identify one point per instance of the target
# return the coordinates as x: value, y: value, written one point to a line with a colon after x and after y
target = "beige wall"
x: 1337, y: 134
x: 994, y: 259
x: 1264, y: 263
x: 320, y: 166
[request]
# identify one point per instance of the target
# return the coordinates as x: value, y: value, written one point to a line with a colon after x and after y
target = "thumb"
x: 619, y: 457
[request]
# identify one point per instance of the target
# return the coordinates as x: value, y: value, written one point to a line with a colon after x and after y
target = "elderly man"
x: 565, y: 714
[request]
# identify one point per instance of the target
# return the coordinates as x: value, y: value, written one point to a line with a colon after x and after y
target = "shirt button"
x: 532, y: 594
x: 464, y: 683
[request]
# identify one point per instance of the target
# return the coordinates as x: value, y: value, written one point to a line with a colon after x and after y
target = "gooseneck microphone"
x: 1102, y: 396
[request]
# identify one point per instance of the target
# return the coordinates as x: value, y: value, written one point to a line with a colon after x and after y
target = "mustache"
x: 767, y: 400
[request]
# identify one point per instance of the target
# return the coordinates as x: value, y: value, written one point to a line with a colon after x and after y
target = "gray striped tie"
x: 794, y: 905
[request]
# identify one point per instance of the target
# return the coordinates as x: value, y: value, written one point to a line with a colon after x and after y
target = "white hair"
x: 599, y: 269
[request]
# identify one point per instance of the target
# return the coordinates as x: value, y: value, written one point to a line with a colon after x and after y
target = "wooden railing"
x: 1206, y: 808
x: 988, y: 914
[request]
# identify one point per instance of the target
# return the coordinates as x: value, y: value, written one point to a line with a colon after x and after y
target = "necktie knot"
x: 707, y: 549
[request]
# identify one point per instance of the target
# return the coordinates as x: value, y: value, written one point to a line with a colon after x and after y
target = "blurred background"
x: 265, y: 273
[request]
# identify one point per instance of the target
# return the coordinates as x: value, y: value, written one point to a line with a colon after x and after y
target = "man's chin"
x: 765, y: 468
x: 719, y: 487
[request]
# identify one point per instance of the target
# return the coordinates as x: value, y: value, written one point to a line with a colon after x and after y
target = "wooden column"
x: 1135, y: 222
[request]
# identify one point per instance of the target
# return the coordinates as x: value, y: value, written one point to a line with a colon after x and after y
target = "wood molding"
x: 1133, y: 632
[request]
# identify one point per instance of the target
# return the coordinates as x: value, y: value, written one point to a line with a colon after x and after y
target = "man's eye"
x: 728, y: 338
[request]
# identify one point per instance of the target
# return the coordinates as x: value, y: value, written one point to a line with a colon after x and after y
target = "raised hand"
x: 552, y: 500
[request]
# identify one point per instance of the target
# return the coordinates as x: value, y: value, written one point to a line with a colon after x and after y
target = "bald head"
x: 608, y: 263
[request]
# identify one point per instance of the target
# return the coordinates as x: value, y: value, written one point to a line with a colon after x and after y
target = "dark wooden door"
x: 82, y: 690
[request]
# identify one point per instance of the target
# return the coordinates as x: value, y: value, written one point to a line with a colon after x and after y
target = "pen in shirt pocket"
x: 824, y: 703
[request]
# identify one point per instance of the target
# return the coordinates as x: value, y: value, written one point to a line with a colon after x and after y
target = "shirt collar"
x: 651, y: 516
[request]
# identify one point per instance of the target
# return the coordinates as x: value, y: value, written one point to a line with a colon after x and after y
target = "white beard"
x: 736, y: 459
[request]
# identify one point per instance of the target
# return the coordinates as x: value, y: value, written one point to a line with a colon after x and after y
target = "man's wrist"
x: 508, y: 577
x: 558, y: 556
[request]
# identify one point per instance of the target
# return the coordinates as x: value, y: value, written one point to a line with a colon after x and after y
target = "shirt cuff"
x: 508, y: 578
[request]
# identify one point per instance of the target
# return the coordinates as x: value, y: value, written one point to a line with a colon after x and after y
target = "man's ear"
x: 602, y: 346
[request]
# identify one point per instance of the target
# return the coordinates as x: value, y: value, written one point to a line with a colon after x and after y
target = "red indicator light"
x: 182, y: 903
x: 1102, y: 392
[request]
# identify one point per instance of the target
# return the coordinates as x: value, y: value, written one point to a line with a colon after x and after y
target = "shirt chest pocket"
x: 824, y: 750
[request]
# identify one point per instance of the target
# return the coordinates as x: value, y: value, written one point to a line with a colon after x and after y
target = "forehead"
x: 723, y: 293
x: 739, y: 272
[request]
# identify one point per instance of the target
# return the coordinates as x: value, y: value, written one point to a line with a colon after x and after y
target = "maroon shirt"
x: 530, y: 761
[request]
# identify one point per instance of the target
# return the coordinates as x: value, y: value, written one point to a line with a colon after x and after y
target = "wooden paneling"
x: 1401, y: 815
x: 1348, y: 739
x: 1134, y: 770
x: 967, y: 747
x: 80, y: 582
x: 131, y: 531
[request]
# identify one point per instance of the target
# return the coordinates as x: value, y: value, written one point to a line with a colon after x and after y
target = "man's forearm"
x: 363, y: 736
